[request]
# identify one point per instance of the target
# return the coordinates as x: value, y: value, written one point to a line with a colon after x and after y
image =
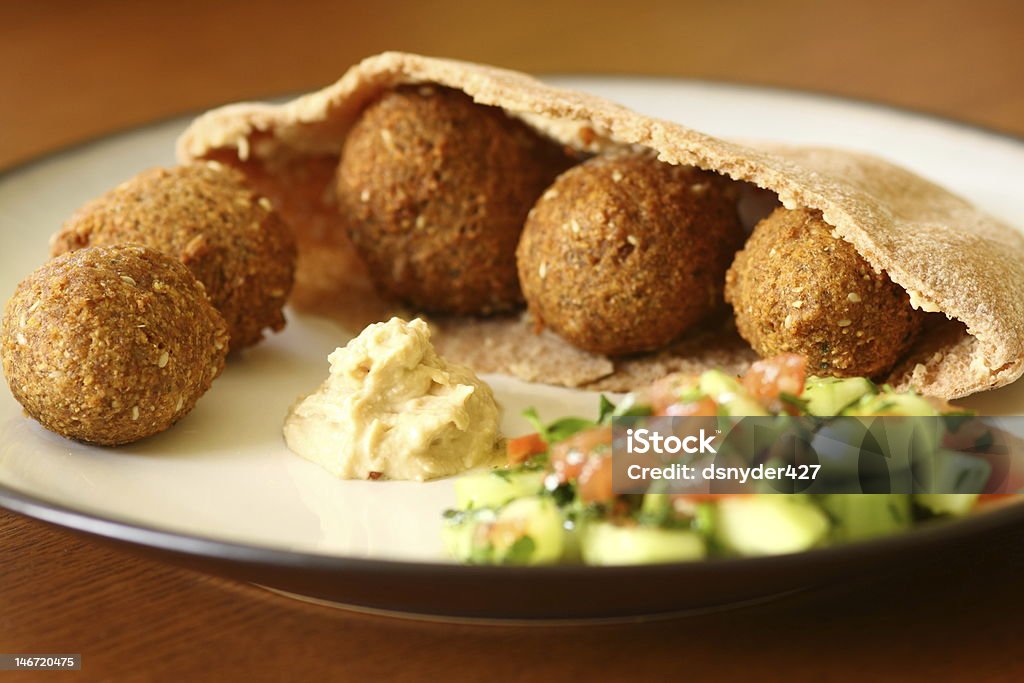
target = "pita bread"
x: 951, y: 257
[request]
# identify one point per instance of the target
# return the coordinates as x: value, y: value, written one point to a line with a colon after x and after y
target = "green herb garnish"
x: 520, y: 551
x: 559, y: 430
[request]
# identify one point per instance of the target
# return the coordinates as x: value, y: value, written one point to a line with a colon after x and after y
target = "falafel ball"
x: 109, y: 345
x: 795, y: 288
x: 204, y: 214
x: 624, y: 252
x: 437, y: 188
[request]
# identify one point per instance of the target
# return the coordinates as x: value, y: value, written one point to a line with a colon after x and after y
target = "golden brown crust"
x: 207, y: 216
x: 624, y: 253
x: 947, y: 254
x: 795, y: 288
x: 109, y: 345
x: 437, y: 188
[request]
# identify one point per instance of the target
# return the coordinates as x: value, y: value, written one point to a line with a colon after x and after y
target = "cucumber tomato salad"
x: 554, y: 501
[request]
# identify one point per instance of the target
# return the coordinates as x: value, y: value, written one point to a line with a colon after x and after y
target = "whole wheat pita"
x: 951, y: 257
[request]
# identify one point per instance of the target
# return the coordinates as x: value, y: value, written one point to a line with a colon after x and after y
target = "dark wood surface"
x: 134, y: 619
x: 72, y: 70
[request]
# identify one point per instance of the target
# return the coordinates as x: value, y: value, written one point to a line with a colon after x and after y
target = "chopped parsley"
x: 559, y: 430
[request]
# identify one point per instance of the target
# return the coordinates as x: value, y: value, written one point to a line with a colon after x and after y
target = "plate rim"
x: 197, y: 546
x: 145, y: 536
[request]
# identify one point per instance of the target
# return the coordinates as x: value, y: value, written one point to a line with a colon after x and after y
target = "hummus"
x: 391, y: 407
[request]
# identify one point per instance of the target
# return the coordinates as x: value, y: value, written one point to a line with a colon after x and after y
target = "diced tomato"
x: 767, y: 379
x: 989, y: 498
x: 665, y: 392
x: 569, y: 457
x: 502, y: 534
x: 595, y: 482
x: 967, y: 435
x: 1007, y: 473
x: 523, y: 448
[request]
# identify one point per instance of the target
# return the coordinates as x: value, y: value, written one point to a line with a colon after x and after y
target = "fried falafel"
x: 624, y: 252
x: 204, y: 214
x: 109, y: 345
x: 796, y: 288
x: 437, y: 188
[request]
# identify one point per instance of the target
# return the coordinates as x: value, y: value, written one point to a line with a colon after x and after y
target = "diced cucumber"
x: 888, y: 403
x: 861, y: 454
x: 526, y: 531
x: 956, y: 504
x: 461, y: 537
x: 768, y: 524
x: 604, y: 543
x: 572, y: 546
x: 953, y: 473
x: 656, y: 505
x: 537, y: 519
x: 862, y: 515
x: 716, y: 383
x: 494, y: 488
x: 729, y: 394
x: 747, y: 437
x: 742, y: 406
x: 828, y: 396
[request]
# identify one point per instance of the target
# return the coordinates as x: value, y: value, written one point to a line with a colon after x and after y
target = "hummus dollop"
x: 391, y: 407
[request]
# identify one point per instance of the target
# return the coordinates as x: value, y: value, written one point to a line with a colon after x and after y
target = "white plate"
x: 224, y: 472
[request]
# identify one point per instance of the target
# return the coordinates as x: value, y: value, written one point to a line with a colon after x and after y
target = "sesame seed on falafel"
x: 437, y: 189
x: 796, y: 288
x: 109, y: 345
x: 205, y: 215
x: 624, y: 252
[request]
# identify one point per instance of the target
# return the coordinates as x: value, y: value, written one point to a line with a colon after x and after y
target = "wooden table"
x: 73, y: 70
